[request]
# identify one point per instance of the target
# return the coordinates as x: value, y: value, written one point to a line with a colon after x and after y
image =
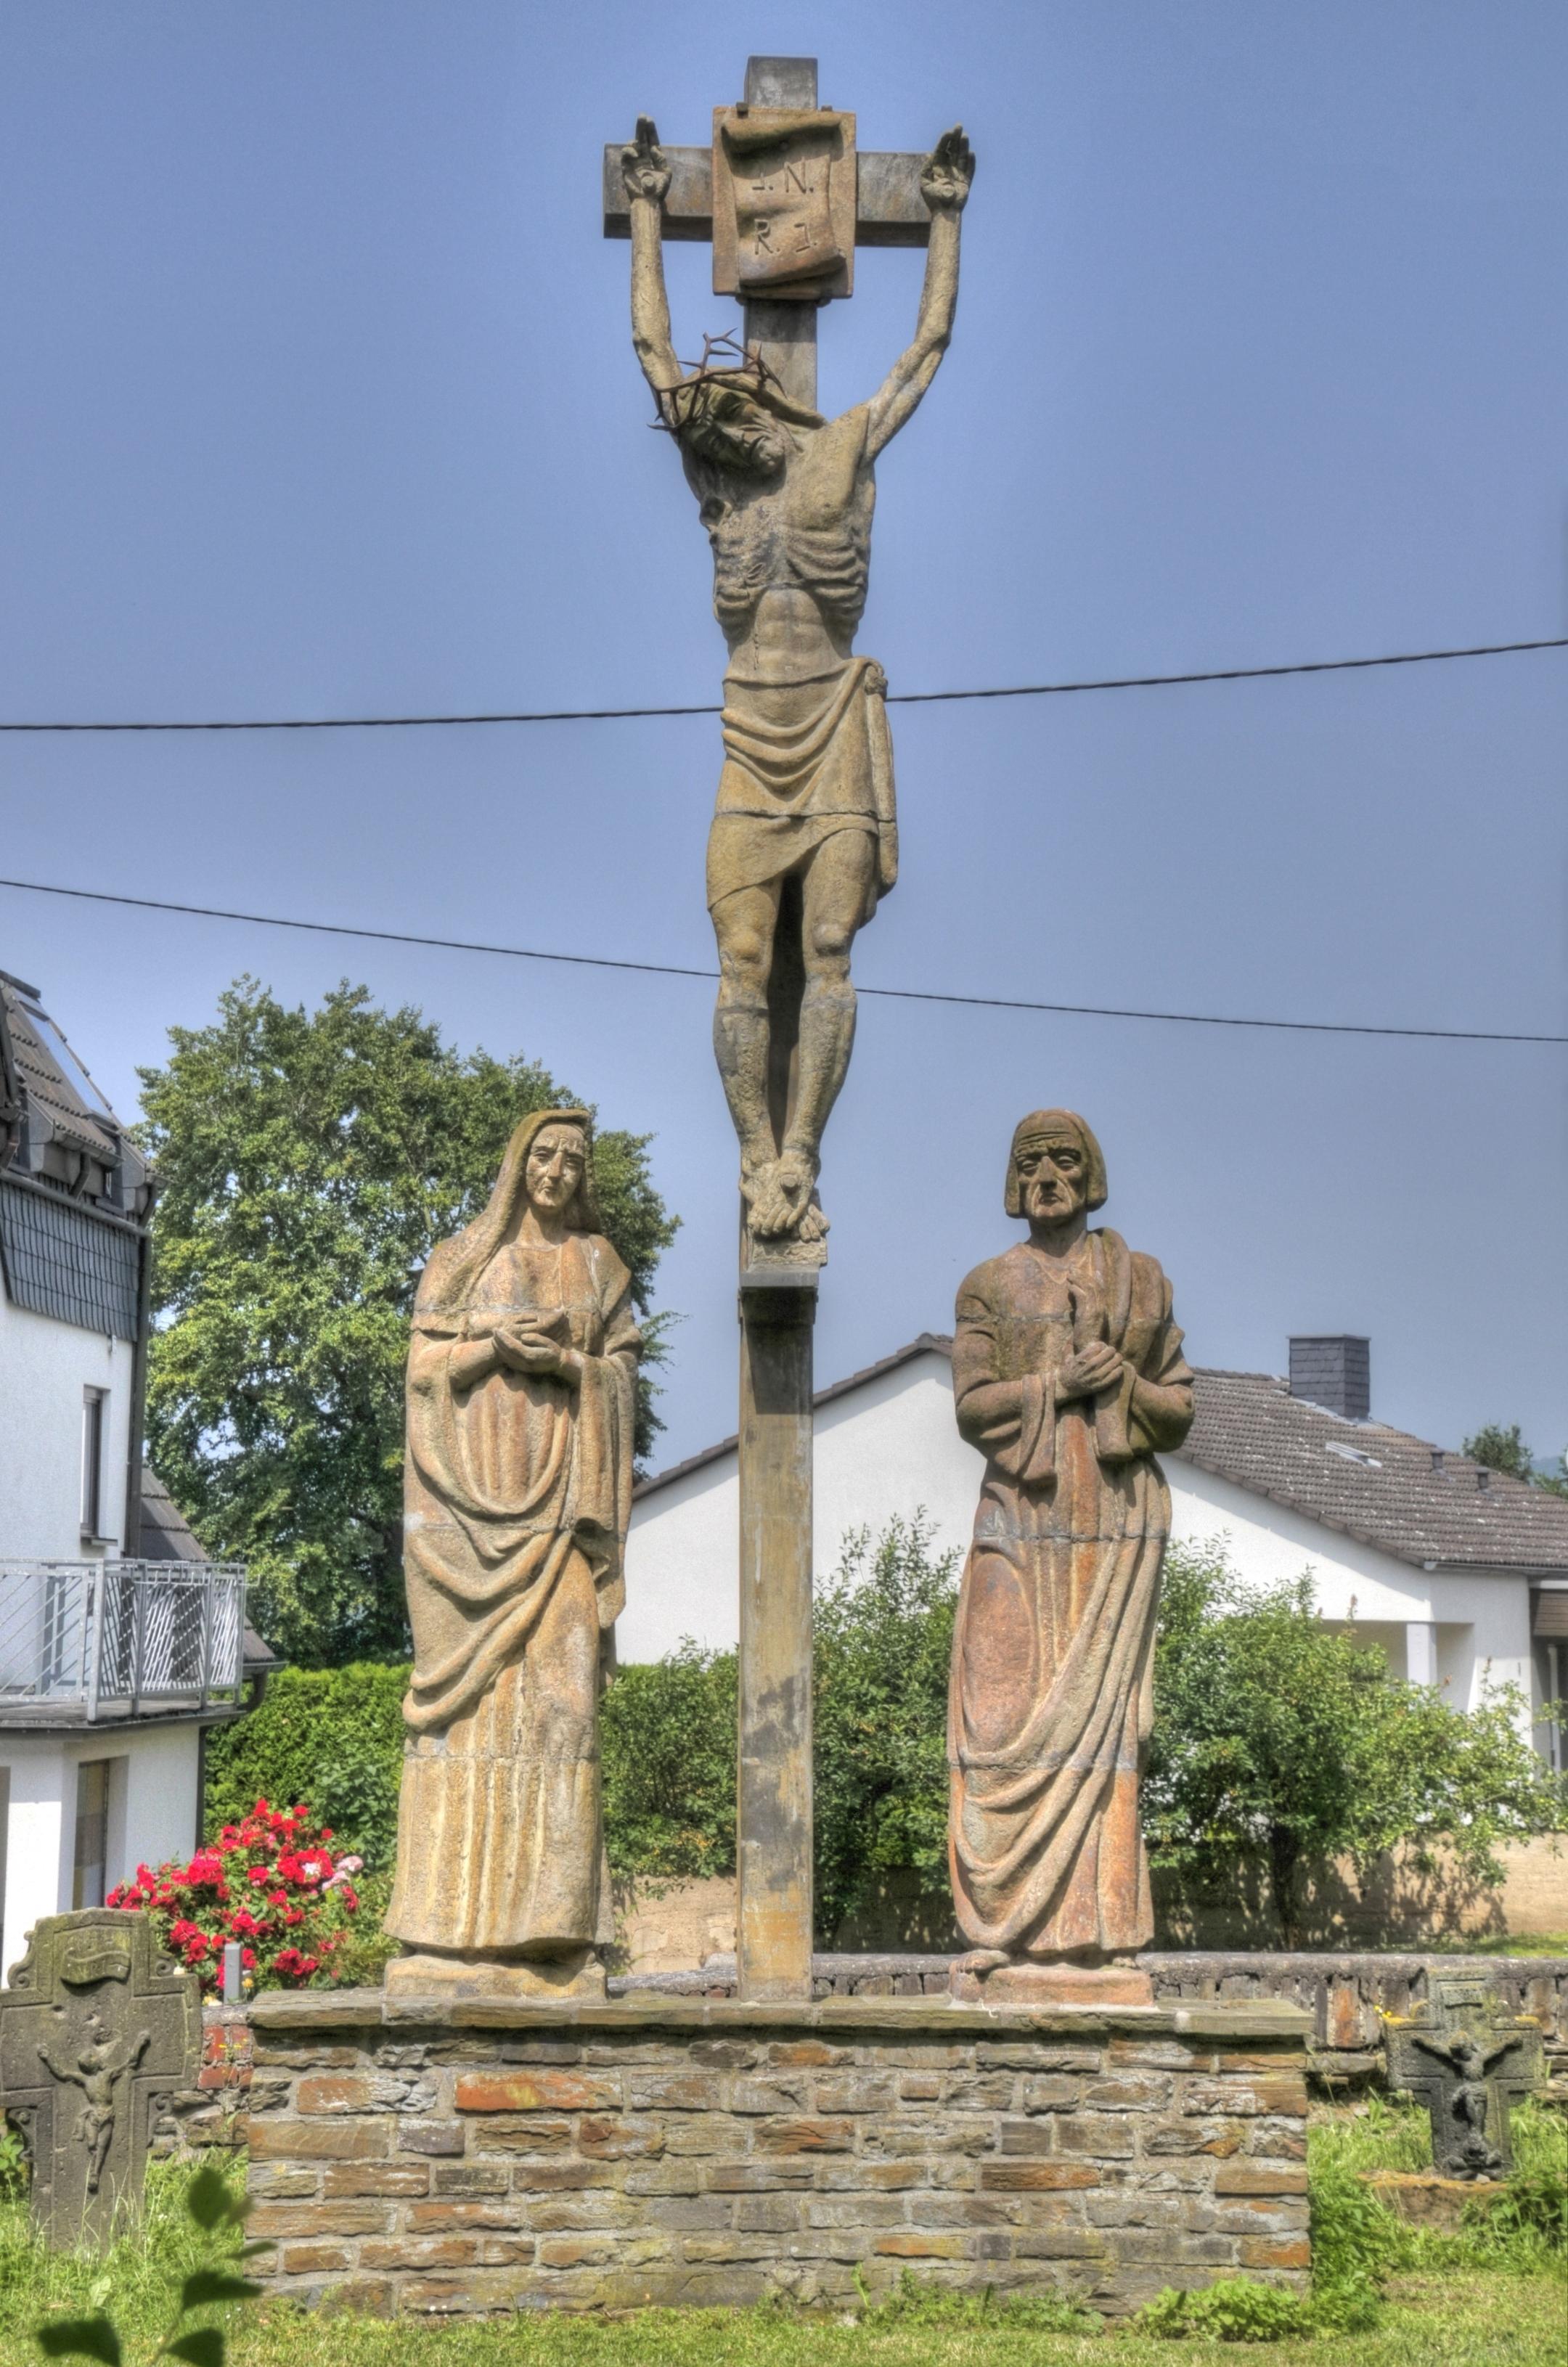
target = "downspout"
x: 131, y: 1535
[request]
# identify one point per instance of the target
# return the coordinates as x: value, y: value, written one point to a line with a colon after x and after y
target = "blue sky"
x: 316, y: 396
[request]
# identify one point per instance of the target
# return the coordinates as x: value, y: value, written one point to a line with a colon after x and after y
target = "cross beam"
x: 889, y: 211
x: 889, y: 208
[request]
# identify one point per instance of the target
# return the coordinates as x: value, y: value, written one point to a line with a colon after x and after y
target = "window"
x: 94, y: 1417
x: 88, y: 1881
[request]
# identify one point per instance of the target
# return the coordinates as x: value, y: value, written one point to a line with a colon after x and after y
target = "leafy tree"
x: 1278, y: 1740
x: 882, y: 1637
x: 307, y: 1162
x: 1504, y: 1450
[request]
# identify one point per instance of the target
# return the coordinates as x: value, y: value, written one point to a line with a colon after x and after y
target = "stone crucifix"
x: 804, y: 836
x: 804, y: 839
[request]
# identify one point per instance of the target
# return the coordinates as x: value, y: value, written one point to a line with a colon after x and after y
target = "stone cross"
x: 99, y: 2032
x: 1464, y: 2058
x: 785, y: 197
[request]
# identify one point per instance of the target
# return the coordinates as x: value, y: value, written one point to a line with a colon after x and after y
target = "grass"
x: 1480, y: 2298
x: 1528, y: 1943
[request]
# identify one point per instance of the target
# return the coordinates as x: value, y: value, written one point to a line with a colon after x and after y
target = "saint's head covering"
x: 1052, y: 1124
x: 473, y: 1248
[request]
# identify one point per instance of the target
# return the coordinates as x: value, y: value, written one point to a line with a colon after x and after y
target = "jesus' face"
x: 554, y: 1170
x: 1055, y: 1177
x: 735, y: 432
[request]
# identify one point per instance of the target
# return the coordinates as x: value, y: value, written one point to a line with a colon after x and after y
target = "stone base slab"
x: 1425, y: 2200
x: 581, y: 1974
x: 474, y: 2156
x: 1023, y: 1982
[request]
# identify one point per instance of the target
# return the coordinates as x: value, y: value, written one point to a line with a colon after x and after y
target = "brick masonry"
x: 442, y: 2161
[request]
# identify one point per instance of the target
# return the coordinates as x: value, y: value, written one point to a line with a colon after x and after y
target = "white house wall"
x: 153, y: 1804
x: 45, y: 1367
x: 890, y: 1446
x: 1481, y: 1618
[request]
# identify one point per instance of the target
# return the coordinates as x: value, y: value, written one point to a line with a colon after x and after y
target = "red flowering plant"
x: 271, y: 1881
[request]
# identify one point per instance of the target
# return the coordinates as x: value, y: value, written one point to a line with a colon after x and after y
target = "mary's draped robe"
x: 1051, y: 1695
x: 516, y: 1498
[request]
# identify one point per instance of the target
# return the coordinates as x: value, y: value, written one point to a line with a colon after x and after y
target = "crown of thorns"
x: 726, y: 362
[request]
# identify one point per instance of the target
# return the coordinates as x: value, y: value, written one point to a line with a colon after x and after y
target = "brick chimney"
x: 1334, y: 1373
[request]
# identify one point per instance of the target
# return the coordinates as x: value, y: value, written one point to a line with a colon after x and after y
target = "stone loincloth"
x: 801, y: 760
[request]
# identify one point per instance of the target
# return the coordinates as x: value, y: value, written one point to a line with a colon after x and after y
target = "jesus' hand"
x: 947, y: 173
x: 642, y: 166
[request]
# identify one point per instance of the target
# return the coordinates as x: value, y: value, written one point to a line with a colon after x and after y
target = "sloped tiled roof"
x: 40, y: 1057
x: 1380, y: 1485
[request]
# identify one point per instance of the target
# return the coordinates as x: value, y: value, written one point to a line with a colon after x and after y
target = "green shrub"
x: 1234, y: 2310
x: 668, y: 1734
x: 1531, y: 2214
x: 883, y: 1640
x: 1279, y: 1740
x: 333, y: 1736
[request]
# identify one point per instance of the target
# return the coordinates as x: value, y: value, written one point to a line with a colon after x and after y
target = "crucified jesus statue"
x: 804, y: 826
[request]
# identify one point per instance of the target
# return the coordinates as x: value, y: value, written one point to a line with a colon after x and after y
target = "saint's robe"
x: 517, y: 1493
x: 1051, y: 1696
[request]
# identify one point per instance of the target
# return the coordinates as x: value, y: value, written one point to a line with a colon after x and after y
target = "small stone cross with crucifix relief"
x: 804, y: 837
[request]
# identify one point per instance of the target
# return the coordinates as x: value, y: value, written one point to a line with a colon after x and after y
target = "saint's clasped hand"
x: 521, y: 1349
x: 1085, y: 1374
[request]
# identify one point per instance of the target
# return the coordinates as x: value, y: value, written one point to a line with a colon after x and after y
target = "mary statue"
x: 516, y: 1496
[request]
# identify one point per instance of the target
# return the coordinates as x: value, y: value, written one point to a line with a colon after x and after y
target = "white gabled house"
x: 1459, y: 1573
x: 119, y: 1642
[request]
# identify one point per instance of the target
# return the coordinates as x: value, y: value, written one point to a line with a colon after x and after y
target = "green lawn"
x: 1481, y: 2298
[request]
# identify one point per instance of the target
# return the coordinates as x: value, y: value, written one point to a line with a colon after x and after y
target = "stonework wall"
x: 444, y: 2160
x: 1345, y: 1997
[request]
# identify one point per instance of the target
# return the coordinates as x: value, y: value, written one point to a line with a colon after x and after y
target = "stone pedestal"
x: 452, y: 2157
x: 975, y: 1981
x: 580, y: 1975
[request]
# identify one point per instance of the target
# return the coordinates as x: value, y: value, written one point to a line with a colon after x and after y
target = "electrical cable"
x: 675, y: 969
x: 896, y: 698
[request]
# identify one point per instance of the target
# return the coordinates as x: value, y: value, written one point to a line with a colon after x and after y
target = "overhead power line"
x: 676, y: 969
x: 896, y: 698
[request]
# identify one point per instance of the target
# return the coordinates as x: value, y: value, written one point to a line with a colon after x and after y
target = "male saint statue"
x: 1068, y: 1375
x: 807, y: 787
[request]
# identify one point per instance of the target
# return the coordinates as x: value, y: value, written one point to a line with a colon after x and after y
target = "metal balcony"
x: 109, y: 1640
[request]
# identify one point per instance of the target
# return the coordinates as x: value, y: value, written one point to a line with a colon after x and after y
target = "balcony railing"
x: 113, y: 1639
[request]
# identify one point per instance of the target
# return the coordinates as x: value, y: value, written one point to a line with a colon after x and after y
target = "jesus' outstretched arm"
x: 945, y: 185
x: 647, y: 178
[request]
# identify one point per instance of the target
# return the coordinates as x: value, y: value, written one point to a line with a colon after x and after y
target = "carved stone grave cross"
x: 1464, y: 2058
x: 99, y: 2032
x: 782, y: 171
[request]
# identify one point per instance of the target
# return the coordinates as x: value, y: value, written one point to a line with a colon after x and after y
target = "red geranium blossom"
x: 288, y: 1882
